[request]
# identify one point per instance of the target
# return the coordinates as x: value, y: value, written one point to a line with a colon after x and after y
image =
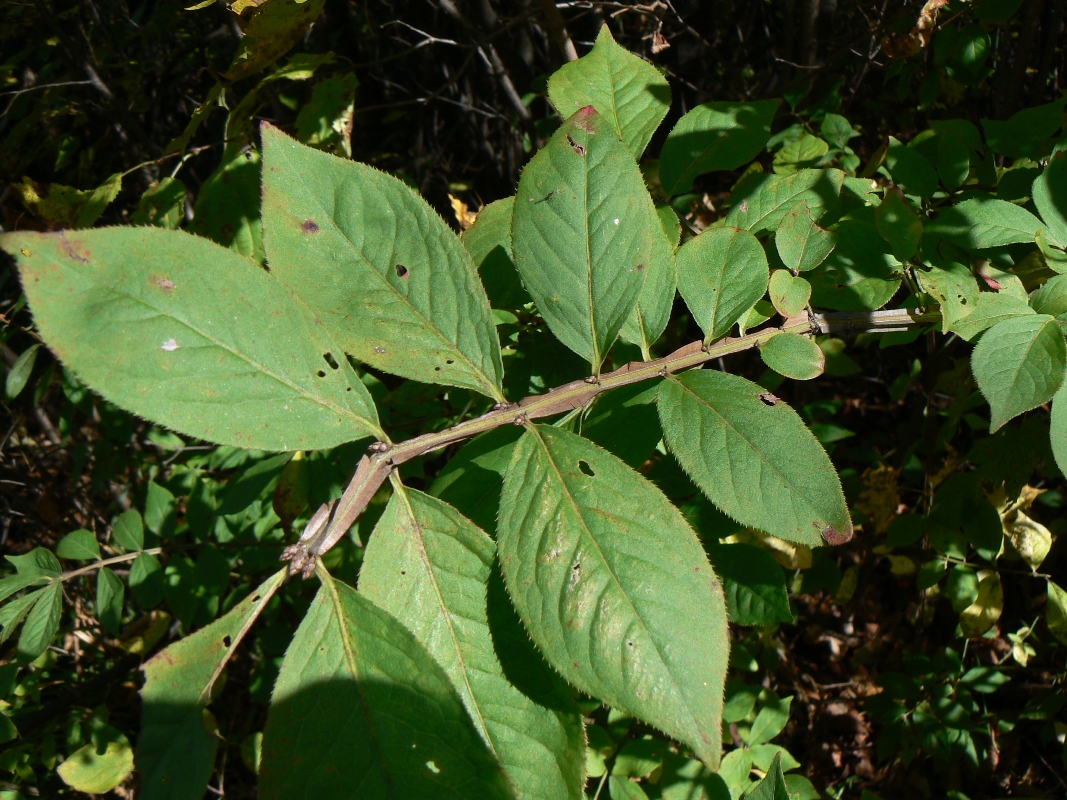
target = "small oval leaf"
x: 793, y: 356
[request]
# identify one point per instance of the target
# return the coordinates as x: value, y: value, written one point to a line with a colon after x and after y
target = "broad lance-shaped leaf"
x: 191, y: 335
x: 624, y: 89
x: 176, y: 754
x: 1050, y: 197
x: 714, y: 136
x: 429, y: 567
x: 378, y: 267
x: 1058, y: 429
x: 583, y: 233
x: 753, y: 457
x: 1019, y: 364
x: 721, y: 274
x: 361, y: 709
x: 614, y: 587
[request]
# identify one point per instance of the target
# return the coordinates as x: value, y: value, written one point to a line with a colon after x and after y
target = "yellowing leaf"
x: 95, y: 769
x: 981, y: 615
x: 464, y: 216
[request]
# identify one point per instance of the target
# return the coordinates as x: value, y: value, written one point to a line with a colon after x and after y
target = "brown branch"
x: 333, y: 520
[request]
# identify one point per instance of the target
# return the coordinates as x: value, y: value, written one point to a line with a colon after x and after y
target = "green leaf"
x: 146, y: 580
x: 770, y: 721
x: 992, y: 307
x: 714, y: 136
x: 39, y: 562
x: 42, y: 623
x: 12, y: 613
x: 650, y: 316
x: 772, y: 785
x: 837, y: 130
x: 227, y: 207
x: 584, y: 231
x: 953, y: 161
x: 984, y: 222
x: 228, y: 356
x: 162, y: 204
x: 19, y: 374
x: 625, y: 789
x: 627, y: 91
x: 16, y: 583
x: 128, y: 530
x: 79, y: 546
x: 472, y: 479
x: 765, y: 205
x: 380, y: 270
x: 860, y: 274
x: 910, y: 170
x: 793, y: 356
x: 1024, y: 135
x: 1050, y: 197
x: 789, y: 294
x: 624, y: 422
x: 753, y: 457
x: 110, y: 597
x: 953, y: 286
x: 67, y: 207
x: 1056, y: 612
x: 613, y: 586
x: 985, y: 680
x: 325, y: 121
x: 176, y: 754
x: 1019, y: 365
x: 429, y: 567
x: 94, y: 769
x: 721, y: 274
x: 1058, y: 429
x: 803, y: 153
x: 1051, y: 297
x: 355, y: 681
x: 801, y: 243
x: 756, y: 593
x: 488, y: 241
x: 899, y: 224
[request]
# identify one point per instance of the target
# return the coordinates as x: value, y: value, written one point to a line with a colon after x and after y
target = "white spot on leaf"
x: 170, y: 345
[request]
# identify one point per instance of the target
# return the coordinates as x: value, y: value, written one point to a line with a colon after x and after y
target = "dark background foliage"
x: 452, y: 95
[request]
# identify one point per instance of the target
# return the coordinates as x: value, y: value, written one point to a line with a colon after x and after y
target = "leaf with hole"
x: 627, y: 91
x: 766, y: 203
x: 583, y: 231
x: 789, y: 293
x: 1018, y: 365
x: 175, y: 754
x: 953, y: 286
x: 793, y: 356
x: 801, y: 243
x: 714, y: 136
x: 355, y: 681
x: 721, y: 274
x: 377, y: 267
x: 753, y: 457
x: 429, y: 567
x: 228, y: 355
x: 613, y: 586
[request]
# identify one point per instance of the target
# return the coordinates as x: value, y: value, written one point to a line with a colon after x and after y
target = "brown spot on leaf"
x: 166, y: 284
x: 834, y: 536
x: 769, y: 399
x: 310, y: 226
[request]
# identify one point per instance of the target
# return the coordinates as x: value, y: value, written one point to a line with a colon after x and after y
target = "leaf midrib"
x: 447, y: 615
x: 611, y: 572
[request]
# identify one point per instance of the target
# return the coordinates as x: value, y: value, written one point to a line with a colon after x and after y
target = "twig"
x: 558, y: 29
x: 333, y: 520
x: 74, y: 573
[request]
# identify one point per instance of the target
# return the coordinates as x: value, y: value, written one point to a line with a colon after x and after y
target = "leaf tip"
x: 835, y: 537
